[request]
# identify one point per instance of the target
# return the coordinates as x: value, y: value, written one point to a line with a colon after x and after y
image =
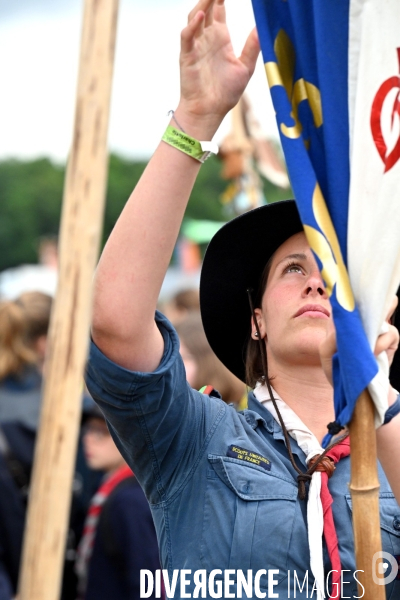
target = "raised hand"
x: 213, y: 78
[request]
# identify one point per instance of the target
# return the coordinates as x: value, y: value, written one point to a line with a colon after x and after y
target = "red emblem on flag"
x: 389, y: 159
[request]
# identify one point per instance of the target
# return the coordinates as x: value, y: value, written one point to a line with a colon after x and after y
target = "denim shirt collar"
x: 257, y: 415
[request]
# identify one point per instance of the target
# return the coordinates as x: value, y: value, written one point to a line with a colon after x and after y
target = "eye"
x: 293, y: 268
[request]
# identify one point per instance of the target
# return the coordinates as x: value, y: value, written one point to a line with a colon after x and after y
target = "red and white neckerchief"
x: 319, y: 505
x: 85, y: 547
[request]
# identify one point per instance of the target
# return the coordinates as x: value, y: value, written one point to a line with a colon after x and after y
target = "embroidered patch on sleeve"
x: 249, y: 456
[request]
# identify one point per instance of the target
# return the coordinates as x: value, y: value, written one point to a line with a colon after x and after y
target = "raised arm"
x: 135, y: 259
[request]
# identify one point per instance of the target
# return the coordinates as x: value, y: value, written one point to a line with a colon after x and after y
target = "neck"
x: 312, y: 402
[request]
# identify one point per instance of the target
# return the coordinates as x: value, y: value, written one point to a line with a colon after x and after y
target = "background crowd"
x: 110, y: 534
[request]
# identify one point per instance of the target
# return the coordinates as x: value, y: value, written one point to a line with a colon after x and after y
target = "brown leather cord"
x: 320, y: 462
x: 325, y: 465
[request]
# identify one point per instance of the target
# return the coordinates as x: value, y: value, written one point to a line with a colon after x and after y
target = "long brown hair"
x: 22, y: 322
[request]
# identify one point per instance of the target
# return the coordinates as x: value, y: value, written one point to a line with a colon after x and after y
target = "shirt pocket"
x: 248, y: 517
x: 389, y: 514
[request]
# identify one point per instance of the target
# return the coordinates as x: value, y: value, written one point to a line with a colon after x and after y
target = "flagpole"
x: 364, y: 488
x: 81, y: 224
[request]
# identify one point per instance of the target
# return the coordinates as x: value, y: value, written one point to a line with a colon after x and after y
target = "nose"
x: 314, y: 286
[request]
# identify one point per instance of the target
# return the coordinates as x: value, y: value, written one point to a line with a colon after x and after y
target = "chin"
x: 311, y: 336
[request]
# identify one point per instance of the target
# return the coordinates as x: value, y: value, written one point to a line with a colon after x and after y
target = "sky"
x: 39, y: 49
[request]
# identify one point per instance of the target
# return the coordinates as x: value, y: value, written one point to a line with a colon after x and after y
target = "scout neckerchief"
x: 319, y: 506
x: 85, y: 547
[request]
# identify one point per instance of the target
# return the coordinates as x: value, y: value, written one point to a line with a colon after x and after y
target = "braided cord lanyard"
x: 302, y: 477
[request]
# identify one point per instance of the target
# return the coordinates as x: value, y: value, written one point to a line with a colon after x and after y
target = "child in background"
x: 119, y: 537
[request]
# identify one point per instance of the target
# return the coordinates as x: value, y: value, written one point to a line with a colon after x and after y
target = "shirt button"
x: 396, y: 523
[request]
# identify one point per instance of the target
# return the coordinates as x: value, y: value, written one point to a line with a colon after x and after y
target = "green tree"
x: 30, y: 204
x: 31, y: 197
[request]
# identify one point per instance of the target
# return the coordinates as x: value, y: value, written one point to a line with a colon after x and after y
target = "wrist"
x: 200, y: 127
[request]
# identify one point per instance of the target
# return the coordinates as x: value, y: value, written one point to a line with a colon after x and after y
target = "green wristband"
x: 183, y: 142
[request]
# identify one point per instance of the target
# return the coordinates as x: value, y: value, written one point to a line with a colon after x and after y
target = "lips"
x: 312, y: 308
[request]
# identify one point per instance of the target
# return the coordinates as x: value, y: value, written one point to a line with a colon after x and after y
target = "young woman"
x: 227, y: 490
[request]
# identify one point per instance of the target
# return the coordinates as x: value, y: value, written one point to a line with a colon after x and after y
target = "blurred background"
x: 41, y: 41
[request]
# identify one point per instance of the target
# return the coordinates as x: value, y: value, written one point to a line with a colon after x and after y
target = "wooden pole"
x: 81, y: 225
x: 364, y: 488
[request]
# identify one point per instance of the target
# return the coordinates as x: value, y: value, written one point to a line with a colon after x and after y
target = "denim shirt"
x: 211, y: 509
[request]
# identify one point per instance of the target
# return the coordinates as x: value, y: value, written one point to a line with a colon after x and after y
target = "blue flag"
x: 333, y: 72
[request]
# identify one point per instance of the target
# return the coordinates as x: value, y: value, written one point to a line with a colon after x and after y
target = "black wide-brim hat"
x: 234, y: 262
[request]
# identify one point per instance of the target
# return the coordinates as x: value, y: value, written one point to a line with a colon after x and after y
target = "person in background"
x: 12, y: 514
x: 202, y: 365
x: 5, y: 588
x: 119, y: 537
x: 23, y: 332
x: 24, y: 324
x: 182, y: 304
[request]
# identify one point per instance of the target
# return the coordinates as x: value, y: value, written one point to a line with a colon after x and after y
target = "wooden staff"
x: 81, y: 225
x: 364, y: 488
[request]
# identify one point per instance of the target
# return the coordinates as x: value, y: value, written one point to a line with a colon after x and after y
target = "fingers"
x: 203, y: 5
x: 209, y: 16
x: 388, y: 342
x: 219, y: 11
x: 200, y: 17
x: 212, y: 8
x: 200, y: 28
x: 206, y: 6
x: 251, y: 51
x: 193, y: 30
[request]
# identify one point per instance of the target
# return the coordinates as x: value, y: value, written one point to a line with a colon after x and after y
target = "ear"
x: 260, y: 323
